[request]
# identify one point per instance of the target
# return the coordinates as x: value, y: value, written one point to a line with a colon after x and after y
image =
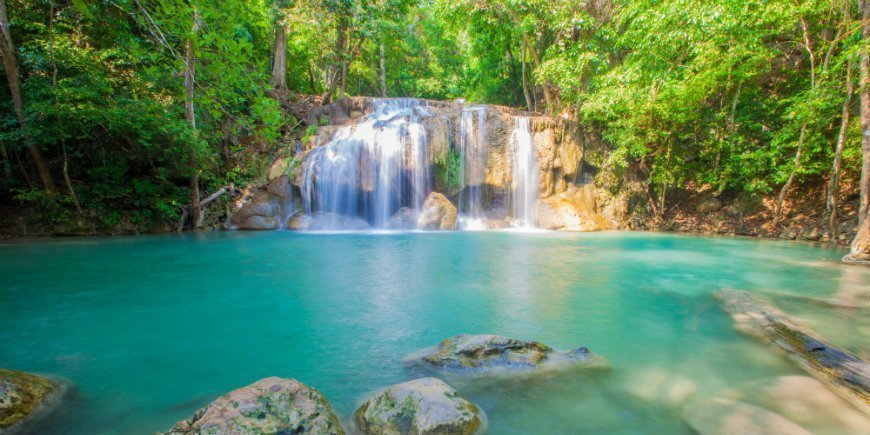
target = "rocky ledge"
x: 272, y: 405
x: 24, y: 397
x: 485, y: 354
x: 421, y: 406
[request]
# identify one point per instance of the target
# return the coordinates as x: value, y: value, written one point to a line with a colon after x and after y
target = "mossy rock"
x: 426, y: 406
x: 479, y: 354
x: 24, y: 395
x: 269, y: 406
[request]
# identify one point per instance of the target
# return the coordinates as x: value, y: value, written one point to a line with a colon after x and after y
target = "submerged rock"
x: 23, y: 396
x: 723, y: 416
x: 326, y: 222
x: 845, y: 373
x: 805, y: 401
x: 421, y: 406
x: 438, y: 213
x: 272, y: 405
x: 475, y: 354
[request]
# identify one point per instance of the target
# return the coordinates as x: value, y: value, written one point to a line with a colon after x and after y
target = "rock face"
x: 422, y: 406
x: 722, y: 416
x: 480, y: 354
x: 438, y: 213
x: 577, y: 209
x: 326, y: 221
x: 23, y: 396
x: 272, y: 405
x: 403, y: 219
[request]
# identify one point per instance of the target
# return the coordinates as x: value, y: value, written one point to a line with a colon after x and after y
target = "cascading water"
x: 524, y: 171
x: 473, y: 150
x: 370, y: 169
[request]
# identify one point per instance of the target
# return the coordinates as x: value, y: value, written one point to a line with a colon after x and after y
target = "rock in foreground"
x: 477, y: 354
x: 23, y: 396
x: 272, y: 405
x: 438, y: 213
x: 843, y: 372
x: 421, y: 406
x: 722, y: 416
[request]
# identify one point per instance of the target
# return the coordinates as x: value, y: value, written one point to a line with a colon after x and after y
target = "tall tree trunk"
x: 65, y: 167
x: 861, y: 243
x: 525, y: 82
x: 834, y: 184
x: 10, y: 64
x: 797, y: 163
x: 335, y: 72
x: 279, y: 65
x: 7, y: 164
x: 190, y: 115
x: 383, y: 68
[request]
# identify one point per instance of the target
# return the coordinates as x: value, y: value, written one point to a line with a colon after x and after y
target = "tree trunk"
x: 383, y: 67
x: 797, y: 163
x: 10, y: 64
x: 7, y: 164
x: 834, y: 185
x: 190, y: 115
x: 279, y: 65
x: 861, y: 243
x: 525, y: 83
x: 65, y: 167
x: 335, y: 72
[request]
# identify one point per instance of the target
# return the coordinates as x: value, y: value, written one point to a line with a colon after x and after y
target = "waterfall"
x: 370, y: 169
x: 524, y: 171
x: 473, y: 151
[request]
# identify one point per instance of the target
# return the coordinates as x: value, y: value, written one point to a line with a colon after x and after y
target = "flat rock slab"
x: 268, y: 406
x: 24, y: 396
x: 483, y: 354
x: 805, y: 401
x: 422, y: 406
x: 844, y: 372
x: 729, y: 417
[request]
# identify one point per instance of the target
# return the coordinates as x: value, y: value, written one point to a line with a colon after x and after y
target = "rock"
x: 25, y: 396
x: 438, y: 213
x: 805, y: 401
x: 482, y: 354
x: 272, y: 405
x: 496, y: 224
x: 725, y: 417
x: 261, y: 213
x: 279, y: 187
x: 574, y: 210
x: 708, y: 205
x: 845, y: 373
x: 403, y: 219
x: 278, y: 168
x: 326, y: 222
x: 421, y: 406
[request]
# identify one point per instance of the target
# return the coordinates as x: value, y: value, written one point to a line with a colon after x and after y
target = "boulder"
x: 574, y: 210
x: 723, y: 416
x: 24, y: 396
x: 438, y: 213
x: 482, y: 354
x: 272, y: 405
x: 421, y: 406
x: 261, y: 213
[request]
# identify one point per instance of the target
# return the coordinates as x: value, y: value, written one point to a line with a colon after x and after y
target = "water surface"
x: 151, y: 328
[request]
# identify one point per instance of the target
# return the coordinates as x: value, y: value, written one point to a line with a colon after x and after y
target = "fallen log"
x: 846, y: 374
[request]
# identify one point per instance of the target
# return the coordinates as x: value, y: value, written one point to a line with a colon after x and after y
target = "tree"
x: 10, y: 64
